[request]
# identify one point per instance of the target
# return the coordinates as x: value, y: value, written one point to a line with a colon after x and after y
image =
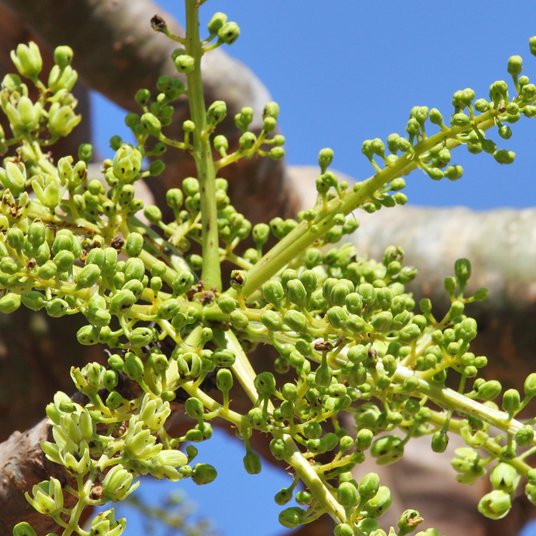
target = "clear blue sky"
x: 344, y: 71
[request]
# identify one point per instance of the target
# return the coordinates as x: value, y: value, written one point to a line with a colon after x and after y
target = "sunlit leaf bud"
x: 252, y: 463
x: 495, y: 504
x: 27, y: 60
x: 504, y: 156
x: 347, y: 494
x: 204, y: 473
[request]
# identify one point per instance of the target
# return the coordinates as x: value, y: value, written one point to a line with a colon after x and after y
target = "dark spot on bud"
x: 323, y: 346
x: 158, y: 23
x: 117, y: 243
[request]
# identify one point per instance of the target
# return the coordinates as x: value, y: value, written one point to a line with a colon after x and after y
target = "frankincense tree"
x: 344, y: 326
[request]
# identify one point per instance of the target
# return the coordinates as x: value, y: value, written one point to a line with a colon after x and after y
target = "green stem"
x: 206, y: 173
x: 305, y: 234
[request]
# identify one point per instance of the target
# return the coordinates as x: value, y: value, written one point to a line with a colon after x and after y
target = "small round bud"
x: 203, y: 474
x: 515, y: 66
x: 495, y: 504
x: 216, y: 22
x: 504, y: 156
x: 184, y: 63
x: 229, y: 33
x: 325, y: 157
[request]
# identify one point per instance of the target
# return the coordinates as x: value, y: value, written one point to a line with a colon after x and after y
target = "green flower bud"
x: 10, y: 303
x: 157, y: 167
x: 62, y: 120
x: 325, y: 157
x: 295, y: 320
x: 265, y: 384
x: 504, y: 157
x: 272, y: 320
x: 182, y: 282
x: 23, y: 529
x: 216, y: 22
x: 363, y: 441
x: 489, y: 390
x: 141, y: 336
x: 387, y: 450
x: 278, y: 449
x: 58, y: 308
x: 239, y: 319
x: 511, y: 401
x: 462, y: 269
x: 27, y: 60
x: 337, y: 317
x: 495, y: 504
x: 273, y: 293
x: 203, y: 473
x: 252, y: 463
x: 174, y: 198
x: 88, y: 276
x: 216, y: 112
x: 134, y: 244
x: 224, y: 380
x: 347, y: 494
x: 229, y: 33
x: 14, y: 178
x: 153, y: 214
x: 440, y: 441
x: 151, y: 125
x: 435, y: 117
x: 343, y: 529
x: 504, y: 477
x: 247, y: 141
x: 382, y: 322
x: 515, y: 66
x: 378, y: 505
x: 291, y: 517
x: 283, y: 496
x: 117, y: 484
x: 127, y: 163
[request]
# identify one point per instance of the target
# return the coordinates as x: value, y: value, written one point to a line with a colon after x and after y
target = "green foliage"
x: 344, y: 326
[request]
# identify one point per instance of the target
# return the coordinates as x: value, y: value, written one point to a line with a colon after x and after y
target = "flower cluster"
x: 345, y: 328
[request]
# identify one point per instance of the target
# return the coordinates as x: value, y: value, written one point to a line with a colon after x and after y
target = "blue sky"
x: 344, y: 71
